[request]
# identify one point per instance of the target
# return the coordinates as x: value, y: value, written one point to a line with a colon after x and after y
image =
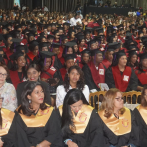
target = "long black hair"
x: 80, y: 83
x: 140, y: 68
x: 72, y: 96
x: 28, y: 89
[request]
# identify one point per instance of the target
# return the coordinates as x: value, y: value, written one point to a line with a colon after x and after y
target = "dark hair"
x: 140, y: 66
x: 80, y: 83
x: 72, y: 96
x: 42, y: 62
x: 25, y: 106
x: 129, y: 62
x: 143, y: 100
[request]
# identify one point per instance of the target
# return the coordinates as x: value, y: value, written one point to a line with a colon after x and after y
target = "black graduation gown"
x: 121, y: 140
x: 133, y: 83
x: 88, y: 78
x: 21, y: 86
x: 10, y: 138
x: 31, y: 136
x: 93, y: 134
x: 142, y: 128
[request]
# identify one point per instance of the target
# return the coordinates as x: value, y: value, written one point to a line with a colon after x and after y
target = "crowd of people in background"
x: 49, y: 64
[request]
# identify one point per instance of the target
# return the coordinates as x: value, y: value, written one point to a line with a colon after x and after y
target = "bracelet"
x: 38, y: 145
x: 67, y: 140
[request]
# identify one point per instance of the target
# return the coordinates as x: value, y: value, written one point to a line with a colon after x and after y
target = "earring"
x: 29, y: 101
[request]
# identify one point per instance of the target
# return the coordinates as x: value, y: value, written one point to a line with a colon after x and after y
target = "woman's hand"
x: 71, y: 144
x: 1, y: 143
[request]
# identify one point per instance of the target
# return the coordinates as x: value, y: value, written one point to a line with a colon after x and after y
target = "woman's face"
x: 134, y: 59
x: 122, y: 61
x: 76, y: 106
x: 74, y: 76
x: 37, y: 96
x: 3, y: 75
x: 33, y: 74
x: 82, y: 42
x: 85, y: 58
x: 118, y: 101
x: 35, y: 51
x: 75, y: 48
x: 9, y: 41
x: 69, y: 63
x: 21, y: 61
x: 31, y: 38
x: 144, y: 63
x: 145, y: 94
x: 69, y: 51
x: 110, y: 56
x: 87, y: 36
x: 73, y: 35
x: 44, y: 48
x: 47, y: 63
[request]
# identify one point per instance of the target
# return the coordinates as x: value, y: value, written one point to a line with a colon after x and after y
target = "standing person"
x: 108, y: 3
x: 7, y: 90
x: 140, y: 113
x: 118, y: 122
x: 81, y: 126
x: 75, y: 20
x: 37, y: 123
x: 74, y: 79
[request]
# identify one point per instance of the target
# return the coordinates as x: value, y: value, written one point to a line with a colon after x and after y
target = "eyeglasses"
x: 3, y: 75
x: 119, y: 98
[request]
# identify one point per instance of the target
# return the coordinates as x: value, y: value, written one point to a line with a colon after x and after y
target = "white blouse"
x: 8, y: 92
x: 61, y: 93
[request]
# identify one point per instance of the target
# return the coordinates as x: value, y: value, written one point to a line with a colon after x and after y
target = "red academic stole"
x: 48, y: 73
x: 106, y: 63
x: 121, y: 81
x: 31, y: 55
x: 15, y: 78
x: 142, y: 77
x: 97, y: 75
x: 63, y: 73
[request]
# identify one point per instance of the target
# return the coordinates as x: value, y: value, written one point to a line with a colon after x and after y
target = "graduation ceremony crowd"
x: 49, y: 65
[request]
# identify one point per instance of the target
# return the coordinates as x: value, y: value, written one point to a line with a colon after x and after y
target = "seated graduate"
x: 7, y: 90
x: 118, y: 122
x: 17, y: 72
x: 94, y: 71
x: 142, y: 70
x: 132, y: 59
x: 74, y: 79
x: 37, y: 123
x: 140, y: 113
x: 69, y: 61
x: 108, y: 57
x: 7, y: 127
x: 33, y: 74
x: 121, y: 76
x: 49, y: 73
x: 81, y: 125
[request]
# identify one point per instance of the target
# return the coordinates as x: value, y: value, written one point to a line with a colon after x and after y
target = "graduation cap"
x: 86, y: 51
x: 92, y: 42
x: 33, y: 44
x: 66, y: 24
x: 43, y: 44
x: 143, y: 26
x: 63, y: 37
x: 110, y: 49
x: 132, y: 52
x: 21, y: 47
x: 50, y: 36
x: 140, y: 32
x: 70, y: 44
x: 114, y: 45
x: 47, y: 54
x: 143, y: 56
x: 16, y: 40
x: 88, y: 28
x: 69, y: 56
x: 120, y: 53
x: 53, y: 25
x: 56, y: 45
x: 132, y: 47
x: 80, y: 37
x: 95, y: 51
x: 100, y: 30
x: 16, y: 55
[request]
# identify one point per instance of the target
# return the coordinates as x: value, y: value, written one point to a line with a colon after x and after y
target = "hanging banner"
x: 16, y: 3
